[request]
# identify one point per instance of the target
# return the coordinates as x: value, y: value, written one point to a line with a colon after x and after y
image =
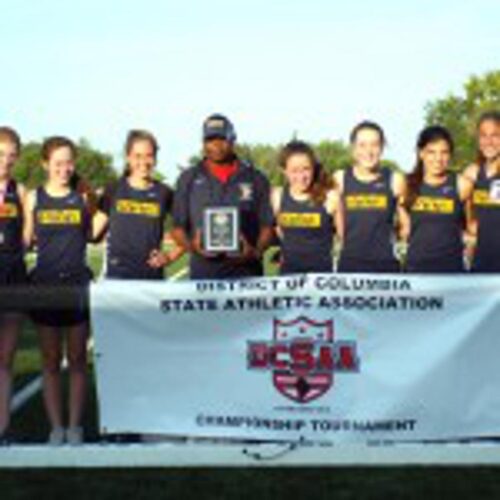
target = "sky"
x: 314, y: 68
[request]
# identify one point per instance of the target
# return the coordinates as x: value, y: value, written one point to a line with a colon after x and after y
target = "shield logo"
x: 246, y: 191
x: 301, y: 379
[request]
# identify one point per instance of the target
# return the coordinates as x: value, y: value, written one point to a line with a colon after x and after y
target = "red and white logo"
x: 303, y: 357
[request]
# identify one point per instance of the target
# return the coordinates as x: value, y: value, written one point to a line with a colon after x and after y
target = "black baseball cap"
x: 217, y: 125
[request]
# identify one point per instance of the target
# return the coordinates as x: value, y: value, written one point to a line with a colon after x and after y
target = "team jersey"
x: 307, y: 236
x: 61, y: 229
x: 12, y: 269
x: 369, y: 226
x: 136, y: 227
x: 486, y: 202
x: 437, y: 219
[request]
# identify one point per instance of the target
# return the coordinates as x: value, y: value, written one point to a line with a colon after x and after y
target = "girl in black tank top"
x: 486, y: 203
x: 305, y: 210
x: 12, y: 268
x: 58, y: 219
x: 486, y: 197
x: 435, y: 203
x: 371, y: 198
x: 133, y: 213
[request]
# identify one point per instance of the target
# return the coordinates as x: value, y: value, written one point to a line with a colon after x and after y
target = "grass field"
x: 29, y: 425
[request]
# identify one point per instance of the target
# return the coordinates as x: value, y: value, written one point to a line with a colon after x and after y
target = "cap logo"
x: 215, y: 123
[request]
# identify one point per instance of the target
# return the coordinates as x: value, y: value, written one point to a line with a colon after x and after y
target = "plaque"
x: 221, y: 230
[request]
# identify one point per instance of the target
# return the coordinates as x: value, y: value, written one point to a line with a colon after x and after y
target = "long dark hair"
x: 488, y: 116
x: 428, y: 135
x: 321, y: 182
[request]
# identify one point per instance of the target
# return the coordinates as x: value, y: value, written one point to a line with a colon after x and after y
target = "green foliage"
x: 333, y: 155
x: 28, y: 169
x: 158, y: 176
x: 263, y: 156
x: 459, y: 113
x: 391, y: 165
x: 94, y: 166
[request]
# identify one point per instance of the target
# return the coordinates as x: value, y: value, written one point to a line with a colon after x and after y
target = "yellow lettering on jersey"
x: 149, y: 209
x: 288, y: 219
x: 366, y: 201
x: 67, y: 217
x: 433, y: 205
x: 482, y: 198
x: 8, y: 211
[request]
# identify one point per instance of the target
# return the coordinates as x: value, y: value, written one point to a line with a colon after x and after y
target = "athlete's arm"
x: 175, y: 253
x: 470, y: 232
x: 465, y: 187
x: 276, y: 196
x: 399, y: 186
x: 162, y: 258
x: 182, y: 223
x: 471, y: 172
x: 400, y: 192
x: 22, y: 192
x: 249, y: 252
x: 100, y: 222
x: 338, y: 179
x: 403, y: 224
x: 179, y: 235
x: 185, y: 244
x: 29, y: 219
x: 266, y: 237
x: 465, y: 191
x: 157, y: 258
x: 334, y: 205
x: 101, y: 213
x: 266, y: 219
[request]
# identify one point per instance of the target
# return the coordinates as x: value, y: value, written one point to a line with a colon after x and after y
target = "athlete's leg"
x: 9, y: 331
x: 51, y: 347
x: 77, y: 359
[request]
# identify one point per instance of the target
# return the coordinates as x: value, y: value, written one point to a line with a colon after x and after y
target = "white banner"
x: 343, y: 358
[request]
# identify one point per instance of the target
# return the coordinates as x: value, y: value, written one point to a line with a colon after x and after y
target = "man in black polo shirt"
x: 221, y: 179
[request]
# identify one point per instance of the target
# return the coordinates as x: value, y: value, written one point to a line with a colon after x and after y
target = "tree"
x: 459, y: 113
x: 263, y: 156
x: 28, y: 169
x: 333, y: 155
x: 93, y: 165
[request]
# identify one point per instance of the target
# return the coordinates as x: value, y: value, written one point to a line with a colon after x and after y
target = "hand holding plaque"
x: 221, y: 230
